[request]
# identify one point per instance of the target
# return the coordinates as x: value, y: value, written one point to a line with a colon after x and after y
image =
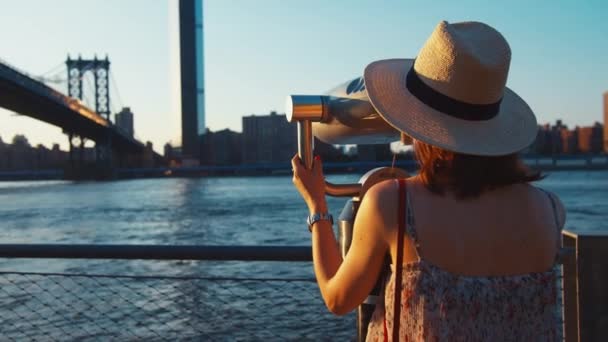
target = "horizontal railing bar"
x: 153, y: 277
x: 173, y: 252
x: 157, y: 252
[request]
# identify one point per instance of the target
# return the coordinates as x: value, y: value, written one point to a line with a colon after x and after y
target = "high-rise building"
x: 569, y: 141
x: 557, y: 142
x: 168, y: 149
x: 590, y: 138
x: 542, y: 143
x: 606, y: 122
x: 585, y: 135
x: 124, y: 120
x: 191, y: 76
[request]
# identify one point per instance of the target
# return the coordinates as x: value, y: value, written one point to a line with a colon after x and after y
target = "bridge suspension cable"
x: 52, y: 80
x: 55, y: 75
x: 54, y: 70
x: 114, y: 86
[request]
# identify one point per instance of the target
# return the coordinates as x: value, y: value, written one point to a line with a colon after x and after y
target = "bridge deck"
x: 24, y: 95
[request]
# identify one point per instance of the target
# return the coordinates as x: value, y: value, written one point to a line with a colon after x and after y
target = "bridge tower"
x: 101, y: 71
x: 100, y: 68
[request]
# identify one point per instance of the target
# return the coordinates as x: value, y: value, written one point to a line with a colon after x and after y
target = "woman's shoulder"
x: 382, y: 198
x: 381, y: 191
x: 537, y: 199
x: 388, y: 189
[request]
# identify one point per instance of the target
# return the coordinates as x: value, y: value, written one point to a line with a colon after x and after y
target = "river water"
x: 206, y: 211
x: 232, y: 211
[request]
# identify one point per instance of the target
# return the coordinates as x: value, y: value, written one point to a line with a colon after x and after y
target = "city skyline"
x: 256, y: 54
x: 125, y: 122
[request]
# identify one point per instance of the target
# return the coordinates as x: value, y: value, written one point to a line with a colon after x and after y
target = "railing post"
x: 591, y: 296
x: 569, y: 295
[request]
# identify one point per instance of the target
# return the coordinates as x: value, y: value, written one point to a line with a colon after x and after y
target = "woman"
x: 473, y: 245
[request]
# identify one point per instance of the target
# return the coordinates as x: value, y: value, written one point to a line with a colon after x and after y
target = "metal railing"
x: 70, y: 306
x: 585, y: 286
x: 75, y: 307
x: 157, y: 252
x: 92, y: 306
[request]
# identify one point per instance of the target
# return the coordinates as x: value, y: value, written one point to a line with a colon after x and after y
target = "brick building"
x: 268, y: 139
x: 590, y: 138
x: 221, y: 148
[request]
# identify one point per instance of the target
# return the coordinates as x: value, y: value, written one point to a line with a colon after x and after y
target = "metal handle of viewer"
x: 304, y: 109
x: 342, y: 190
x: 305, y: 152
x: 305, y: 143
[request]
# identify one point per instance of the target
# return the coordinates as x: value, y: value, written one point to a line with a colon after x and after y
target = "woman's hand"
x: 310, y: 183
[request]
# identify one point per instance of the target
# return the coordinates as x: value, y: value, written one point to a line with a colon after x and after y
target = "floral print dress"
x: 437, y: 305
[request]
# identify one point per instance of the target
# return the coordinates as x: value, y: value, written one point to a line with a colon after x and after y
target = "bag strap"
x: 399, y: 262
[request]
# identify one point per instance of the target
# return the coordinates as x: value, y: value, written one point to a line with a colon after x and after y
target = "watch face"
x: 312, y: 219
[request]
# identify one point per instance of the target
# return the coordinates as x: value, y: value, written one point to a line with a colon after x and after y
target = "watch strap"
x: 315, y: 217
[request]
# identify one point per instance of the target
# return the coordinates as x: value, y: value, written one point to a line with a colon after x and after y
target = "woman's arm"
x: 344, y: 284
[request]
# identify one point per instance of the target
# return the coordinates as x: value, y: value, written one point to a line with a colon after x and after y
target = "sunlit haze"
x: 257, y: 52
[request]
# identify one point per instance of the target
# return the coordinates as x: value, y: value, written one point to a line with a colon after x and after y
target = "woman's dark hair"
x: 468, y: 175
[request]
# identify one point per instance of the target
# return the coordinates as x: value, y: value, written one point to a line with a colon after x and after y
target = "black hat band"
x: 448, y: 105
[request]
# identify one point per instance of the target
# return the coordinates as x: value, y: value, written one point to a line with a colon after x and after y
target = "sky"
x: 258, y: 52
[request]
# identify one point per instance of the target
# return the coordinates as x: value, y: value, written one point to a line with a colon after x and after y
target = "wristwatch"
x: 312, y: 218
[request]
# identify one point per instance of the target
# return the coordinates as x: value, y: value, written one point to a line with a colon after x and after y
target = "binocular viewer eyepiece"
x: 306, y: 107
x: 343, y: 116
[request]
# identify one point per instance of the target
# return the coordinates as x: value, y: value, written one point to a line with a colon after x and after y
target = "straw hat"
x: 453, y: 95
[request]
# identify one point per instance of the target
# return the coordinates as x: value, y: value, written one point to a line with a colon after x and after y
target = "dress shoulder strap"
x: 554, y: 207
x: 558, y: 227
x: 410, y: 224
